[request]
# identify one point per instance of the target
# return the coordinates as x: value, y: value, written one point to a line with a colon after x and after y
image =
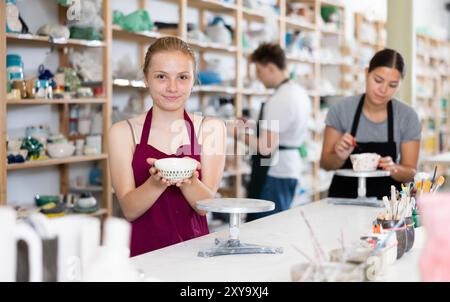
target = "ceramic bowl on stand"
x: 365, y: 162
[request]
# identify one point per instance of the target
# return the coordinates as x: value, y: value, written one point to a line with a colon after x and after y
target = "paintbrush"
x: 434, y: 175
x: 387, y: 205
x: 440, y: 181
x: 420, y: 186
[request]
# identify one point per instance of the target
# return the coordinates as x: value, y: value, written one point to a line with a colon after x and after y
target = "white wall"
x: 435, y: 17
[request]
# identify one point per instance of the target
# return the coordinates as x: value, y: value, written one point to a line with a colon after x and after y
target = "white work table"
x: 287, y: 229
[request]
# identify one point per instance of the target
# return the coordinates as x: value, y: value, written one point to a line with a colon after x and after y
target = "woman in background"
x: 373, y: 122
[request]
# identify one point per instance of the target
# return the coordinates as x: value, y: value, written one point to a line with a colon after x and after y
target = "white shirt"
x: 287, y: 112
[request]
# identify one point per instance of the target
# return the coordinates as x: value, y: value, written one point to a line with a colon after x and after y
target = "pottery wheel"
x: 362, y: 199
x: 235, y: 207
x: 351, y: 173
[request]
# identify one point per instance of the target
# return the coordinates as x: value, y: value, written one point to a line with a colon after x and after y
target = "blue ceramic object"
x: 209, y: 78
x: 14, y: 67
x: 95, y: 176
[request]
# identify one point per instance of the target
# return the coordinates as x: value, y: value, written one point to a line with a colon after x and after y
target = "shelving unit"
x: 364, y: 49
x: 433, y: 92
x: 366, y: 27
x: 24, y: 40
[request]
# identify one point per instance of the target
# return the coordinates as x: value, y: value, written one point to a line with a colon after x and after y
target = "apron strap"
x: 390, y: 114
x: 192, y: 136
x: 390, y: 122
x: 147, y: 126
x: 260, y: 117
x: 357, y: 115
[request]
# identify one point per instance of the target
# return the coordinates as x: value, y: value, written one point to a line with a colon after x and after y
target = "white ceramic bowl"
x: 176, y: 169
x: 87, y: 202
x: 365, y: 162
x: 14, y: 145
x: 60, y: 150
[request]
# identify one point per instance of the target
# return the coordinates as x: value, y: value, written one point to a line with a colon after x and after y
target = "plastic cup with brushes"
x: 399, y: 208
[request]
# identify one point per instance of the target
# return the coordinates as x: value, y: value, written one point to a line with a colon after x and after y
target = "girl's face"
x: 382, y: 84
x: 170, y: 78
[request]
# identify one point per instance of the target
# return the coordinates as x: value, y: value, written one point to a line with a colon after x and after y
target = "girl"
x: 163, y: 213
x: 373, y: 122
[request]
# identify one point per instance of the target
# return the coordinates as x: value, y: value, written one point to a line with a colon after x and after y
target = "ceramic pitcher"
x: 10, y: 233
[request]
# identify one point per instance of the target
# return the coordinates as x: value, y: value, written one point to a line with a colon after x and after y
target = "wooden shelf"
x: 146, y: 36
x: 335, y: 64
x: 100, y: 212
x: 249, y: 91
x: 212, y: 5
x: 292, y: 22
x: 56, y: 101
x: 214, y: 89
x: 332, y: 3
x: 255, y: 16
x: 299, y: 60
x: 87, y: 189
x: 331, y: 32
x: 211, y: 46
x: 55, y: 162
x: 129, y: 83
x: 29, y: 38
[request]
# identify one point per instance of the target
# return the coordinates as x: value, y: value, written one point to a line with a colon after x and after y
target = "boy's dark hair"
x: 388, y: 58
x: 269, y: 53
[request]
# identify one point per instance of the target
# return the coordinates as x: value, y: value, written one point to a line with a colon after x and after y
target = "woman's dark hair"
x: 388, y: 58
x: 269, y: 53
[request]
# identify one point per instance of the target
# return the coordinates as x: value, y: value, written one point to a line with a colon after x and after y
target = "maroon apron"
x: 170, y: 219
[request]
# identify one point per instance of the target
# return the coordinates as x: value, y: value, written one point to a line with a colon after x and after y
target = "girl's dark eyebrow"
x: 160, y: 71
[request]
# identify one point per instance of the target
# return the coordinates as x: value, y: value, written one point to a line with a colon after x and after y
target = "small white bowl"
x: 14, y: 145
x: 60, y: 150
x: 365, y: 162
x: 176, y: 169
x: 87, y: 202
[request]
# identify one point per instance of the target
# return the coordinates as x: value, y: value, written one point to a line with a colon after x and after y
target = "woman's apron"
x: 261, y: 163
x: 170, y: 219
x: 347, y: 187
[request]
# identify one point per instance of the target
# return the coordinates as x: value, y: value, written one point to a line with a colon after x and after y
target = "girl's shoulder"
x: 121, y: 130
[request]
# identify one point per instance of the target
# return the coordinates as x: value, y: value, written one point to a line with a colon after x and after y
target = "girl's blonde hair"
x: 167, y: 44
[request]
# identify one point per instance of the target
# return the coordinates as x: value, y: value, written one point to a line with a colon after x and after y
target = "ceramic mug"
x: 79, y: 144
x: 31, y: 89
x: 94, y: 141
x: 400, y: 233
x: 84, y: 126
x: 410, y: 233
x: 21, y: 86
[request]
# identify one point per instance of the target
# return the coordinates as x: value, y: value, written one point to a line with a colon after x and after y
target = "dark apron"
x: 259, y: 171
x: 347, y: 187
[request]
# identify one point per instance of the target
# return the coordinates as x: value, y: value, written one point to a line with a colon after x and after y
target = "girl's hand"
x: 387, y: 164
x: 188, y: 181
x: 345, y: 146
x: 155, y: 175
